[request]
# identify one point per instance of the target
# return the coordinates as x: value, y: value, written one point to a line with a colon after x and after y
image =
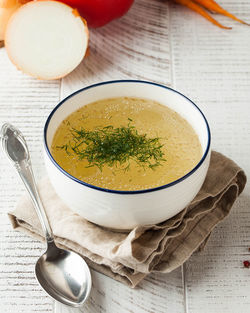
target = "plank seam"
x: 173, y: 85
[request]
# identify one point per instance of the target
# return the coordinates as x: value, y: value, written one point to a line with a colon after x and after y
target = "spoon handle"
x: 26, y: 173
x: 16, y: 149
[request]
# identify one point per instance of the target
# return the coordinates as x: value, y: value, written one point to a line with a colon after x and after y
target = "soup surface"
x: 126, y: 144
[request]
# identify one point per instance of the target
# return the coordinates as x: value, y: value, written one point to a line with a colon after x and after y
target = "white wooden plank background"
x: 25, y: 102
x: 213, y: 68
x: 171, y: 46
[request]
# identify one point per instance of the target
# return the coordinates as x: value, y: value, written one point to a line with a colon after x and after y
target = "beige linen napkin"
x: 129, y: 257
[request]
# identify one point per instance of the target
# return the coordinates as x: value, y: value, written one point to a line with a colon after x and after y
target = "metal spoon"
x: 63, y: 274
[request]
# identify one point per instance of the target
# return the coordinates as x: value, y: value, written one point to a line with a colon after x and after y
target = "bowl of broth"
x: 127, y: 153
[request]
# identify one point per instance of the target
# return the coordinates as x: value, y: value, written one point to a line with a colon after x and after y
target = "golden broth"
x: 181, y: 146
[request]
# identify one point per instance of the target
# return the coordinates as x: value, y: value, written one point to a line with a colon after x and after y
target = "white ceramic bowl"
x: 127, y: 209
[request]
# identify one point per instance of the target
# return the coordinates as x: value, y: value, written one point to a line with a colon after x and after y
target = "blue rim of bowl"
x: 125, y: 191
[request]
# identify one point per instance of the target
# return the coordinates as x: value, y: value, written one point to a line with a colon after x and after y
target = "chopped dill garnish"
x: 114, y: 146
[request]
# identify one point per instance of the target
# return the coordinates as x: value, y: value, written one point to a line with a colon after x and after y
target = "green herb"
x: 114, y: 146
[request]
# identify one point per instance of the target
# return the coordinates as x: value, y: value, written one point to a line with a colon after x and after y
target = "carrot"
x: 195, y: 7
x: 215, y: 7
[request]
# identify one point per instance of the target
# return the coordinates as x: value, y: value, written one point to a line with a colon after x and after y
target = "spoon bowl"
x: 64, y: 276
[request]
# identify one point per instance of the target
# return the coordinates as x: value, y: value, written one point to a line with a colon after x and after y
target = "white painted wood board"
x: 213, y: 68
x: 24, y: 102
x: 177, y: 48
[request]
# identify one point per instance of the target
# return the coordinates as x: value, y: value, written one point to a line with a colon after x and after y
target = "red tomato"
x: 100, y: 12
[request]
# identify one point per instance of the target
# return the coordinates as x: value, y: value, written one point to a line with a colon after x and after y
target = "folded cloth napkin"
x: 129, y: 257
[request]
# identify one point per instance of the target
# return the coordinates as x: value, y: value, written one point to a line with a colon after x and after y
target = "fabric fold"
x: 129, y: 257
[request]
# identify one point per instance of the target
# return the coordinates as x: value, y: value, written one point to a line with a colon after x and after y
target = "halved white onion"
x: 46, y: 39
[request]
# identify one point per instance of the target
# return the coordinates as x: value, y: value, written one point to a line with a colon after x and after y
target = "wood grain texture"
x: 25, y: 102
x: 157, y: 293
x: 134, y: 47
x: 213, y: 68
x: 178, y: 48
